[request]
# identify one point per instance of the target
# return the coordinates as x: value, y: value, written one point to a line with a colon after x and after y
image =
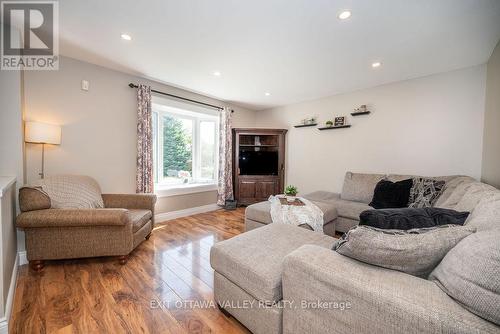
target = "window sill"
x: 175, y: 190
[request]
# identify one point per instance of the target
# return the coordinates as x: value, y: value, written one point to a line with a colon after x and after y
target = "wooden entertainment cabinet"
x: 257, y: 183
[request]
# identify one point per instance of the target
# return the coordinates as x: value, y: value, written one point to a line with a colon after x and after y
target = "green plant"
x: 291, y: 190
x: 329, y: 123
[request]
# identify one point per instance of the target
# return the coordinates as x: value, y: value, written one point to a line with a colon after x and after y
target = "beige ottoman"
x: 259, y: 214
x: 248, y: 270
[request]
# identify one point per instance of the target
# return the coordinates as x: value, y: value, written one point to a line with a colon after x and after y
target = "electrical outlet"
x: 85, y: 85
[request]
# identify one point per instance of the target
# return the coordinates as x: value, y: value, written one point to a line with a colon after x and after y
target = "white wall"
x: 98, y: 126
x: 426, y: 126
x: 11, y: 164
x: 11, y: 136
x: 491, y: 139
x: 11, y: 127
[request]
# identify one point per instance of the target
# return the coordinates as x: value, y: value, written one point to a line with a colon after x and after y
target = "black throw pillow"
x: 389, y: 194
x: 408, y: 218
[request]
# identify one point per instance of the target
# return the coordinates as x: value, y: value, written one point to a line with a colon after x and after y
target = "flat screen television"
x: 258, y: 163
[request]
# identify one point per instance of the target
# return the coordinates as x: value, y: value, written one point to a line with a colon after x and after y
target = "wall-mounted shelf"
x: 360, y: 113
x: 335, y: 127
x: 262, y: 145
x: 304, y: 125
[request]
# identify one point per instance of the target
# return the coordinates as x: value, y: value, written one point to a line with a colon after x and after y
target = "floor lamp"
x: 42, y: 133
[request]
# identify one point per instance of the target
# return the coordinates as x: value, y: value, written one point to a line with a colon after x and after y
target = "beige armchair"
x: 116, y: 230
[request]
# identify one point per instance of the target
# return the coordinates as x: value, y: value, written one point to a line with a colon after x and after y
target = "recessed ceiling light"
x: 267, y: 94
x: 217, y: 73
x: 376, y: 64
x: 345, y: 15
x: 126, y: 37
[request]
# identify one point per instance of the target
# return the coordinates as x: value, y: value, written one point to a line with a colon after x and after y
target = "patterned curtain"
x: 225, y: 191
x: 144, y: 175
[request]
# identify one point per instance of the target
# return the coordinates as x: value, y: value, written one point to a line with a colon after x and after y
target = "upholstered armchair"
x: 115, y: 230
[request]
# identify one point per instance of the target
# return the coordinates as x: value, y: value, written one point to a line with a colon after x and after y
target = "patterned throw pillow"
x: 424, y: 192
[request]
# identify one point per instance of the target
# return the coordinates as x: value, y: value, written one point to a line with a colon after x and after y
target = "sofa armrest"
x: 130, y: 201
x: 73, y: 218
x: 373, y: 299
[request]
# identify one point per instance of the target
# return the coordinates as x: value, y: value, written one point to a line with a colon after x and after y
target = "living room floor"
x: 101, y: 296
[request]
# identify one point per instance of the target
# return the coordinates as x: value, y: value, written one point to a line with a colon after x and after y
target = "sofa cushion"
x: 253, y: 260
x: 33, y: 198
x: 474, y: 194
x: 390, y: 194
x: 424, y: 192
x: 343, y: 224
x: 409, y: 218
x: 345, y: 209
x: 456, y: 195
x: 415, y: 252
x: 486, y: 214
x: 350, y: 209
x: 470, y: 273
x: 450, y: 189
x: 322, y: 196
x: 261, y: 212
x: 139, y: 218
x: 382, y: 301
x: 359, y: 187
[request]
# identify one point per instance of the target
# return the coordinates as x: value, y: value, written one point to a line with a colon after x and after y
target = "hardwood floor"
x: 144, y: 296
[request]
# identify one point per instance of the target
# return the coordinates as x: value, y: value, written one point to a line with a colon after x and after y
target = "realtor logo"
x: 29, y: 35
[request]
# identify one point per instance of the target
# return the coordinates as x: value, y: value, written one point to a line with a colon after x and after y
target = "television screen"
x: 258, y: 163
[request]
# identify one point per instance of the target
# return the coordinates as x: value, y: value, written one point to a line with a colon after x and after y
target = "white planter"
x: 290, y: 198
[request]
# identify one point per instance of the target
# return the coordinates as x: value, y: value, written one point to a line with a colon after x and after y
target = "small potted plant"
x: 329, y: 123
x: 290, y: 193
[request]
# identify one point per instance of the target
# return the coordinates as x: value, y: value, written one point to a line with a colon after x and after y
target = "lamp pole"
x: 42, y: 174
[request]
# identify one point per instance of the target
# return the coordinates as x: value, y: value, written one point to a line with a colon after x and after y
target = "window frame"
x: 198, y: 184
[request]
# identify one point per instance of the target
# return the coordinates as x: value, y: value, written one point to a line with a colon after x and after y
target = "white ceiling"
x: 295, y: 49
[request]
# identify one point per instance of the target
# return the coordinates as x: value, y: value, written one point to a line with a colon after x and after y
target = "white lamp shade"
x: 42, y: 133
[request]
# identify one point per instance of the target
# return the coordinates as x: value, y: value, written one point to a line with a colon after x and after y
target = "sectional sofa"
x: 341, y: 211
x: 277, y: 278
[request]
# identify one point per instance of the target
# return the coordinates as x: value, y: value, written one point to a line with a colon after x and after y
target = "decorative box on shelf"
x: 362, y: 110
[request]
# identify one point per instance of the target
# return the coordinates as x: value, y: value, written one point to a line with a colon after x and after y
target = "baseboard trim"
x: 22, y: 258
x: 4, y: 321
x: 161, y: 217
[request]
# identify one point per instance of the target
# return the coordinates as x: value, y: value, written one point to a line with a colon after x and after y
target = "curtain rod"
x: 131, y: 85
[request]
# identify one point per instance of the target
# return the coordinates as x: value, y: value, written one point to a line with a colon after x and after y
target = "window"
x: 185, y: 145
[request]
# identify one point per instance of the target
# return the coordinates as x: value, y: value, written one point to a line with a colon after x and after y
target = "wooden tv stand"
x: 249, y: 189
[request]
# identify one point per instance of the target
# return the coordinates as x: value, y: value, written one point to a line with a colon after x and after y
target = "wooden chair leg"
x: 123, y: 259
x: 148, y: 236
x: 37, y: 265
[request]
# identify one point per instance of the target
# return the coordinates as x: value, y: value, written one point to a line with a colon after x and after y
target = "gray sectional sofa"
x: 276, y: 279
x: 341, y: 211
